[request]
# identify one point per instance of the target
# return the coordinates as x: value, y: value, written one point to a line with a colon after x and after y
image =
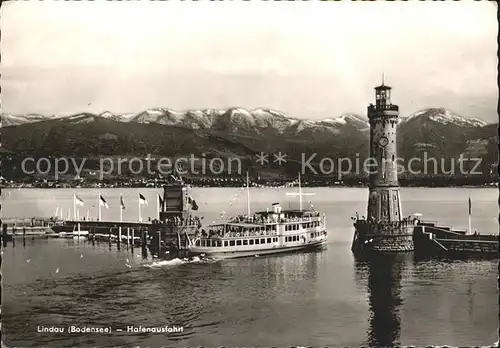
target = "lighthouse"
x: 384, y: 228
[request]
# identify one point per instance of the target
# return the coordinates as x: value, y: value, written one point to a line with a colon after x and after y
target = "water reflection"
x: 384, y: 273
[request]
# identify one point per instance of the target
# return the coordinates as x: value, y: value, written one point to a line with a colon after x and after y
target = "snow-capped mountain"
x: 443, y: 116
x: 240, y: 132
x: 242, y: 120
x: 14, y: 120
x: 259, y: 121
x: 119, y: 118
x: 83, y: 117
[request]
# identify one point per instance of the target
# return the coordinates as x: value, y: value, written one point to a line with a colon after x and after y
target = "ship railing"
x: 277, y: 221
x: 248, y: 234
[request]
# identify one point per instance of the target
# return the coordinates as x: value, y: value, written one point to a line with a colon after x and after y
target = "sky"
x: 310, y: 60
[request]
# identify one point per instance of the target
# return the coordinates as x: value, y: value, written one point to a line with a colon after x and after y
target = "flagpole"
x: 74, y: 206
x: 121, y: 208
x: 470, y: 215
x: 158, y: 207
x: 248, y: 195
x: 140, y: 217
x: 99, y: 206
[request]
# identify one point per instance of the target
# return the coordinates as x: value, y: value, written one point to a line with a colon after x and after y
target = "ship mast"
x: 300, y: 194
x: 248, y: 196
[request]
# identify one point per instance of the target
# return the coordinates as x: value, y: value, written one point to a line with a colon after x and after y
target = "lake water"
x: 322, y: 298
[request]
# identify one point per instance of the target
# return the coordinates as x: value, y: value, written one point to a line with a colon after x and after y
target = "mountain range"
x: 242, y: 133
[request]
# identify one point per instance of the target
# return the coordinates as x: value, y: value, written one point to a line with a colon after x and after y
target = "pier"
x: 171, y: 234
x: 430, y: 238
x: 443, y: 240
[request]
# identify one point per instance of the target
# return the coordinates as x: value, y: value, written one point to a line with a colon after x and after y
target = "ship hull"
x: 233, y: 254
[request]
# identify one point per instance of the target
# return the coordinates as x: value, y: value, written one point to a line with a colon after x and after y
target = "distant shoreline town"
x: 434, y: 181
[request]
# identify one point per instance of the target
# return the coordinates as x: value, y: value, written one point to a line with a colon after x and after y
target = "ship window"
x: 197, y: 243
x: 250, y: 241
x: 286, y: 227
x: 275, y: 239
x: 269, y: 240
x: 263, y: 241
x: 312, y: 235
x: 238, y: 242
x: 231, y: 243
x: 219, y: 243
x: 226, y: 243
x: 257, y: 241
x: 393, y: 158
x: 245, y: 242
x: 286, y: 239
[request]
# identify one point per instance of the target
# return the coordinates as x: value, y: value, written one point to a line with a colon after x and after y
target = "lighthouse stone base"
x: 390, y: 236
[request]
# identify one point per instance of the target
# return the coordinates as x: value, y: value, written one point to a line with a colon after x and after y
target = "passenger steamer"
x: 268, y: 232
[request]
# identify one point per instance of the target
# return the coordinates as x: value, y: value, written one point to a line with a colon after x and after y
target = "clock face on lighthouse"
x: 383, y: 141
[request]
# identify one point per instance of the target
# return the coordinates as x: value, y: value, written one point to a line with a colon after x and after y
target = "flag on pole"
x: 142, y: 199
x: 102, y: 202
x: 159, y: 205
x: 191, y: 201
x: 122, y: 204
x: 78, y: 201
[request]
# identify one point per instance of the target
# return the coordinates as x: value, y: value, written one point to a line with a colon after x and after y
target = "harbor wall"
x: 431, y: 238
x: 384, y: 236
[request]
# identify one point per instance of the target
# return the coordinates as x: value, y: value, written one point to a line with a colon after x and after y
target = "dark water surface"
x: 317, y: 298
